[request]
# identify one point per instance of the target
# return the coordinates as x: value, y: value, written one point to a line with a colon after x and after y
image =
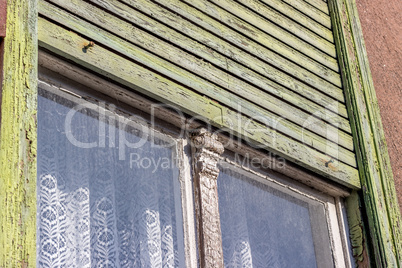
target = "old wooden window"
x: 109, y: 186
x: 113, y: 189
x: 270, y: 221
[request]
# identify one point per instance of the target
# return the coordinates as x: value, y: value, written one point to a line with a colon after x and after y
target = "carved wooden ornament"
x: 206, y: 150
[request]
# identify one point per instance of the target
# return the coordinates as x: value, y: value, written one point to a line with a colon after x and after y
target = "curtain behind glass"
x: 97, y: 210
x: 264, y: 227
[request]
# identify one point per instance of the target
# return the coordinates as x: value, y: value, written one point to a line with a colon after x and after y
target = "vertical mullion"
x: 206, y: 150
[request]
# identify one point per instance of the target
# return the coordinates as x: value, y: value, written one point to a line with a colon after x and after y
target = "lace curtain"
x: 264, y: 227
x: 95, y: 209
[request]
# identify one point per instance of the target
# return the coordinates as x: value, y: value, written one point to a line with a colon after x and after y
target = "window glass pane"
x: 266, y: 226
x: 103, y: 202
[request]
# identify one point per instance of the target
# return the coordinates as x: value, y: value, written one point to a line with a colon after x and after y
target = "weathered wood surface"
x: 206, y: 150
x: 277, y: 32
x: 305, y: 9
x: 315, y: 21
x: 218, y: 93
x: 234, y: 45
x: 18, y: 137
x: 124, y: 95
x: 108, y: 63
x: 265, y: 39
x: 324, y: 44
x: 310, y: 11
x: 374, y: 167
x: 204, y: 51
x: 271, y: 56
x: 319, y: 4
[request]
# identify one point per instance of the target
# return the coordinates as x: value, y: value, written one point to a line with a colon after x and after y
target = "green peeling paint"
x: 18, y: 137
x: 378, y: 189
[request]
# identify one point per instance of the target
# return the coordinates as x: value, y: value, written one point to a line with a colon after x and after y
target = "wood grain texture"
x: 315, y: 21
x: 121, y: 70
x: 18, y: 137
x: 234, y: 45
x: 278, y: 32
x: 205, y: 49
x: 123, y: 95
x: 222, y: 94
x: 206, y: 150
x: 309, y: 11
x: 265, y: 39
x: 319, y: 4
x: 376, y: 175
x: 324, y: 44
x: 273, y: 56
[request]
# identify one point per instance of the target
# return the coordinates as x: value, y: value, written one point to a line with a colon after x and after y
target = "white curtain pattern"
x: 95, y: 210
x: 261, y: 226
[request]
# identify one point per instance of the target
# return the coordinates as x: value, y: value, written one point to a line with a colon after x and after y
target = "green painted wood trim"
x: 377, y: 181
x: 306, y: 16
x: 105, y: 62
x: 274, y: 30
x: 228, y: 87
x: 319, y: 4
x: 18, y: 137
x: 207, y: 48
x: 311, y: 11
x: 324, y: 43
x: 234, y: 45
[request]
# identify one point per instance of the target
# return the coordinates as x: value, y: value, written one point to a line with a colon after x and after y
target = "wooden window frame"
x: 60, y: 77
x: 373, y: 212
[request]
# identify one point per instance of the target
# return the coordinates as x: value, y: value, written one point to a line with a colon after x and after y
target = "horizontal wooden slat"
x: 228, y: 49
x: 121, y: 70
x: 252, y: 47
x: 217, y: 93
x: 205, y: 52
x: 264, y: 39
x: 83, y: 82
x: 319, y: 4
x: 309, y: 11
x: 325, y: 44
x: 249, y: 12
x: 313, y: 13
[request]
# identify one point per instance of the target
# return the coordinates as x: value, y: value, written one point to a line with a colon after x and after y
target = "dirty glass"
x: 267, y: 226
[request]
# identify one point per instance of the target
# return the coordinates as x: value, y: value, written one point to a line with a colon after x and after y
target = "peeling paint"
x: 18, y: 137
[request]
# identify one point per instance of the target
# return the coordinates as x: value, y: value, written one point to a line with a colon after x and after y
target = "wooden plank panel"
x: 319, y: 4
x: 223, y: 96
x: 107, y: 63
x: 229, y: 50
x: 301, y: 16
x: 91, y: 81
x: 208, y: 54
x: 245, y: 43
x: 191, y: 63
x: 312, y: 44
x: 277, y: 32
x: 266, y: 40
x: 324, y: 43
x: 309, y: 11
x: 18, y: 137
